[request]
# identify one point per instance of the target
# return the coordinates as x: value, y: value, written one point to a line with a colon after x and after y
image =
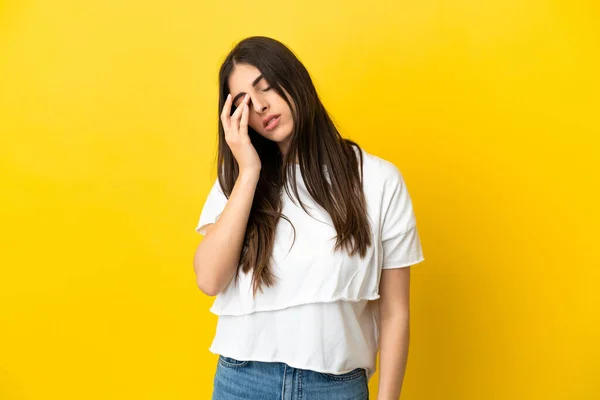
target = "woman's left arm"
x: 394, y: 331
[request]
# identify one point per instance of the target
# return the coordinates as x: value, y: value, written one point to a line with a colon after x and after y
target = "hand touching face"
x: 268, y: 113
x: 236, y: 136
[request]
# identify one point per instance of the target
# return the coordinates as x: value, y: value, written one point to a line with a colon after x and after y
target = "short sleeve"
x: 213, y: 207
x: 399, y: 235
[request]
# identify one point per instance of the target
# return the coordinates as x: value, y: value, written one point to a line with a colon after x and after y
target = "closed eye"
x: 250, y: 100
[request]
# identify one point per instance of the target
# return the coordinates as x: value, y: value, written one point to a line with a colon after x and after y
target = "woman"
x: 309, y: 282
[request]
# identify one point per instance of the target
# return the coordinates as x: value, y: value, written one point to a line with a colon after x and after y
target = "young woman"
x: 308, y: 240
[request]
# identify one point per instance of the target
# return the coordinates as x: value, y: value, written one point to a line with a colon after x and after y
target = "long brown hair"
x: 315, y: 142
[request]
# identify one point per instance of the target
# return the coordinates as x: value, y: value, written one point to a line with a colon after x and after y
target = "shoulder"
x: 379, y: 169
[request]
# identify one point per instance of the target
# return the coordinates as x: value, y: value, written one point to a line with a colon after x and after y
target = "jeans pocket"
x: 354, y: 374
x: 232, y: 362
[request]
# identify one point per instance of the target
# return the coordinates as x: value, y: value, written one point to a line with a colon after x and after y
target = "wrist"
x: 249, y: 175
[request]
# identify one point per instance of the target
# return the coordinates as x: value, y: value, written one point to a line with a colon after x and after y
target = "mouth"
x: 271, y: 122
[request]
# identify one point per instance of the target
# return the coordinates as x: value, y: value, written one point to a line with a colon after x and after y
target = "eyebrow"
x: 254, y: 83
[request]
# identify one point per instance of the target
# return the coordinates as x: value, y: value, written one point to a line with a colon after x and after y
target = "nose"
x: 259, y: 107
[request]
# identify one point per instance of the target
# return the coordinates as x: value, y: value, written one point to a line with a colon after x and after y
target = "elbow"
x: 210, y: 284
x: 209, y: 279
x: 204, y: 281
x: 208, y: 288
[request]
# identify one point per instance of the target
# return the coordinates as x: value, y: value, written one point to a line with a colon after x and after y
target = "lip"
x: 269, y: 117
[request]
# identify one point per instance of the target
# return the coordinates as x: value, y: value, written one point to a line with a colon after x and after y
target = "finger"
x: 244, y: 120
x: 237, y: 114
x: 225, y: 113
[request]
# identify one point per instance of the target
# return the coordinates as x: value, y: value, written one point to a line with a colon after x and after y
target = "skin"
x: 394, y: 305
x: 261, y: 101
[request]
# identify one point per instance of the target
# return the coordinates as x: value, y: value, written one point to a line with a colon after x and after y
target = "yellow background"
x: 108, y: 117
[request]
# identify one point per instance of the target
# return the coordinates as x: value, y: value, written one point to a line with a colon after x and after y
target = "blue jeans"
x: 257, y: 380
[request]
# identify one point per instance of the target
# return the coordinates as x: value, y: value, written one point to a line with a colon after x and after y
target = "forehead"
x: 242, y: 77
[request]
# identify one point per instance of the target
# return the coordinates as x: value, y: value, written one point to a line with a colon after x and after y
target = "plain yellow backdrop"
x: 108, y: 126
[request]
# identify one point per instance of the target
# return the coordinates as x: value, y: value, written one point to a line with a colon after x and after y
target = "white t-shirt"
x: 322, y: 313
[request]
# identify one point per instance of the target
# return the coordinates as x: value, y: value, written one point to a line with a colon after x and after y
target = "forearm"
x: 217, y: 256
x: 393, y: 355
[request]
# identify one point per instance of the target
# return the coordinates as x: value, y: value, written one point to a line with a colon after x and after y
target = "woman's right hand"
x: 236, y: 135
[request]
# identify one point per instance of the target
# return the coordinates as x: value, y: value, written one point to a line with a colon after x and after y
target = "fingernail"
x: 228, y: 96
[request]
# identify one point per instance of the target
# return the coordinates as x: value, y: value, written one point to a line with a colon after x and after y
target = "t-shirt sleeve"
x: 213, y: 207
x: 399, y: 234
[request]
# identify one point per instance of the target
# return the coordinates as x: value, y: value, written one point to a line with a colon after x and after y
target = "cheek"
x: 255, y: 122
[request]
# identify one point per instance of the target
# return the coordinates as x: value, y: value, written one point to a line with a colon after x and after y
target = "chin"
x: 280, y: 134
x: 280, y: 137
